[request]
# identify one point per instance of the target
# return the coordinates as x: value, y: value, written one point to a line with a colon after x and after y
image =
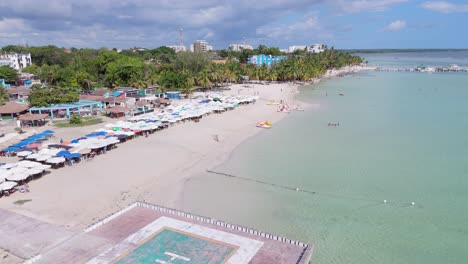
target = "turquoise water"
x: 402, y: 138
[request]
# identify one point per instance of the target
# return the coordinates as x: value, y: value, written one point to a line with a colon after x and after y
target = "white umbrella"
x: 18, y: 177
x: 7, y: 186
x: 43, y: 157
x: 23, y: 153
x: 18, y: 170
x: 9, y: 165
x: 56, y: 160
x: 44, y: 167
x: 35, y: 171
x: 28, y: 164
x: 33, y: 156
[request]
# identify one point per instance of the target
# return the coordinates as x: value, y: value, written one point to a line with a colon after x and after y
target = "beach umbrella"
x: 24, y: 153
x: 18, y: 177
x: 6, y: 186
x: 28, y: 164
x: 56, y: 160
x: 43, y: 158
x: 33, y: 146
x: 63, y: 153
x: 9, y: 149
x: 84, y: 151
x: 8, y: 165
x: 44, y: 167
x: 35, y: 171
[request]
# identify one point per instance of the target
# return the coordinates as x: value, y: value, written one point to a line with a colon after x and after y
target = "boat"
x: 266, y: 124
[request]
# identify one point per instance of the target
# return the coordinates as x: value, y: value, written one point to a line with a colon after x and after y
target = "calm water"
x: 402, y: 138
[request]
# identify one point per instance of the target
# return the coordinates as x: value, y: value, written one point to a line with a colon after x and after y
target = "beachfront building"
x: 240, y: 47
x: 3, y: 83
x: 16, y: 61
x: 292, y: 49
x: 81, y: 107
x: 178, y: 48
x: 19, y: 94
x: 263, y: 59
x: 201, y: 46
x: 316, y: 48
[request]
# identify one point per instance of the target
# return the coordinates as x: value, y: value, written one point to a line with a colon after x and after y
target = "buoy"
x: 385, y: 201
x: 297, y: 189
x: 413, y: 203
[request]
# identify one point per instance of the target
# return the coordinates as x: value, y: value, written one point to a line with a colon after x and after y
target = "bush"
x: 75, y: 119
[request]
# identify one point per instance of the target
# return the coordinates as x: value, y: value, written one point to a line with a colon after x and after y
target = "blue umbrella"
x: 11, y: 149
x: 63, y: 153
x: 48, y: 132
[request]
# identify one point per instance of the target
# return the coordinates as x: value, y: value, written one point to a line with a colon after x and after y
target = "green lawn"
x: 87, y: 121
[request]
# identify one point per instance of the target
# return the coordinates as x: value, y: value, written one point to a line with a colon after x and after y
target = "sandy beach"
x: 151, y: 169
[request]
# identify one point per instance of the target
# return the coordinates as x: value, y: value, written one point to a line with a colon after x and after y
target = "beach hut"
x: 118, y: 111
x: 173, y: 95
x: 12, y: 109
x: 33, y: 120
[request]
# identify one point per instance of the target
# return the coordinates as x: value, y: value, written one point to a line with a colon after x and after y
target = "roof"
x: 163, y: 101
x: 113, y: 100
x: 142, y: 103
x: 19, y: 90
x: 81, y: 103
x: 127, y: 89
x: 97, y: 98
x: 118, y: 109
x: 13, y: 108
x: 32, y: 117
x: 101, y: 91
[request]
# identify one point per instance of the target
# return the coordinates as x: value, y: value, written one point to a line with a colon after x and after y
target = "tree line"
x: 87, y: 69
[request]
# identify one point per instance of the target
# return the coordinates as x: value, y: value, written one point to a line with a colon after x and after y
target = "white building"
x: 240, y: 47
x: 178, y: 48
x: 201, y: 46
x: 292, y: 49
x: 316, y: 48
x: 17, y: 61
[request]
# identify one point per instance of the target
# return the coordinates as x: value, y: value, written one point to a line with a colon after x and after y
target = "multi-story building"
x: 17, y: 61
x: 240, y: 47
x: 263, y: 59
x: 178, y: 48
x: 201, y: 46
x: 292, y: 49
x: 316, y: 48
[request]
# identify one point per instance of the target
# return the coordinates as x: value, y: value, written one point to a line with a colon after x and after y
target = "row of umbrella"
x: 12, y: 173
x: 32, y: 142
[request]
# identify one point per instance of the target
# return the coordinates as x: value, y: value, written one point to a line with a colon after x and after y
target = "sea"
x: 389, y: 184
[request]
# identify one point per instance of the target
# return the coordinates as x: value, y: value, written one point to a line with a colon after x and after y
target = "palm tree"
x: 203, y: 79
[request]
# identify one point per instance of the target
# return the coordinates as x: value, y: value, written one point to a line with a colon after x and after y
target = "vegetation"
x: 45, y: 96
x: 86, y: 69
x: 3, y: 96
x: 75, y: 119
x: 8, y: 74
x: 85, y: 121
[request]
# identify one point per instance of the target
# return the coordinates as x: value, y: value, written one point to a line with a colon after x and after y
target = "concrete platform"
x: 145, y: 233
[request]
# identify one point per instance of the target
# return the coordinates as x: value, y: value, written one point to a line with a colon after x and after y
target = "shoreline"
x: 153, y: 169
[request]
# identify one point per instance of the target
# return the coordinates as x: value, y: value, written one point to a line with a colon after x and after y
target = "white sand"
x: 152, y: 169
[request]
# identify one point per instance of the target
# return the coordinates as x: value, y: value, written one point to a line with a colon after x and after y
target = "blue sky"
x: 281, y: 23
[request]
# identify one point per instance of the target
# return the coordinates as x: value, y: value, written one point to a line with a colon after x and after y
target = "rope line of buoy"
x: 335, y: 196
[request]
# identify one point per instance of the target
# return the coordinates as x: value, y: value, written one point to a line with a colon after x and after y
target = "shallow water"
x: 401, y: 138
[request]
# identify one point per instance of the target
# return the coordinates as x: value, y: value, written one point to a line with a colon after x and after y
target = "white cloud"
x: 358, y: 6
x: 445, y: 7
x: 396, y: 26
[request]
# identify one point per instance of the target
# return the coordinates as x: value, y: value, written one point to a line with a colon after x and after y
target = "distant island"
x: 400, y: 50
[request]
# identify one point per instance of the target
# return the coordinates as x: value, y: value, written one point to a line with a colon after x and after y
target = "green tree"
x: 46, y: 96
x: 3, y: 95
x: 8, y: 74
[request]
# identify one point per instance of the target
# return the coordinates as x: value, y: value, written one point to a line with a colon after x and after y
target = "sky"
x: 343, y: 24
